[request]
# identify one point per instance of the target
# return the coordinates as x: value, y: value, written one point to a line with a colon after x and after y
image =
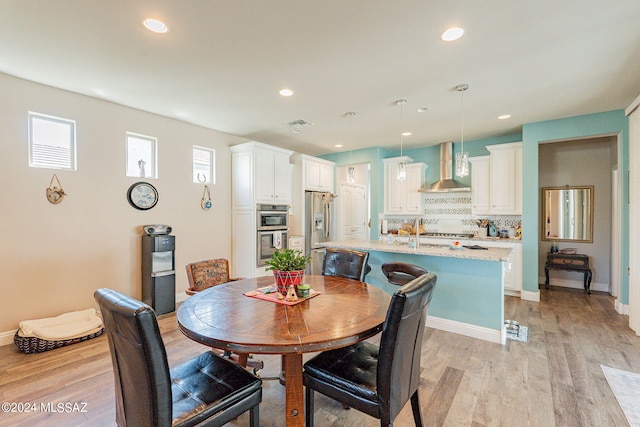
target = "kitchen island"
x: 469, y: 295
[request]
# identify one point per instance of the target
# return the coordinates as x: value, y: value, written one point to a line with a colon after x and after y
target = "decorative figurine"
x: 291, y: 294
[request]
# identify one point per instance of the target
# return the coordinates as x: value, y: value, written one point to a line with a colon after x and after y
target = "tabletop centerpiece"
x: 288, y: 268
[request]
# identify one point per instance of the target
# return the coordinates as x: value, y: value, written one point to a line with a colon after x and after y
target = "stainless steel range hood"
x: 446, y: 184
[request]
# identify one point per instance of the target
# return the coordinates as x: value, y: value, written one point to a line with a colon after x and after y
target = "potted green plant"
x: 288, y: 267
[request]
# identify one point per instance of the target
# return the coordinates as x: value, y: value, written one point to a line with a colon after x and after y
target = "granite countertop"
x: 490, y: 254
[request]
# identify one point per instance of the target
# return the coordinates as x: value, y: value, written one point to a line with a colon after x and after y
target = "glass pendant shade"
x: 462, y: 158
x: 351, y: 175
x: 462, y: 164
x: 402, y: 171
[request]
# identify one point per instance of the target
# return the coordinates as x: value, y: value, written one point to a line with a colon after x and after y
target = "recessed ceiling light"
x: 286, y: 92
x: 406, y: 133
x: 155, y: 25
x: 422, y: 109
x: 452, y: 34
x: 338, y: 145
x: 504, y: 117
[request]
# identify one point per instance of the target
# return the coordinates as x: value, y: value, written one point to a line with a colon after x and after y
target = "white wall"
x: 582, y: 162
x: 53, y: 257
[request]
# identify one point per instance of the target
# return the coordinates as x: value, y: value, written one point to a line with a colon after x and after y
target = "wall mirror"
x: 567, y: 213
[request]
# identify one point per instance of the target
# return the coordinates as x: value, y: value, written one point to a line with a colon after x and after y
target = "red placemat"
x: 272, y: 297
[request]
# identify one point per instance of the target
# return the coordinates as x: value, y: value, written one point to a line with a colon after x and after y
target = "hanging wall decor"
x: 55, y: 193
x: 205, y: 203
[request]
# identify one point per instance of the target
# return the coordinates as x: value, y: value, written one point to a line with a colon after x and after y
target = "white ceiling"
x: 222, y: 63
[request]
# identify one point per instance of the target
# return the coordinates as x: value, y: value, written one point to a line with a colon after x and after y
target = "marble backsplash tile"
x: 451, y: 206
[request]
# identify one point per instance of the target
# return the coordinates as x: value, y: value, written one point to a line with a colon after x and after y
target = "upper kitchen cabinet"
x: 506, y: 178
x: 480, y: 188
x: 261, y: 173
x: 317, y: 173
x: 403, y: 197
x: 496, y: 181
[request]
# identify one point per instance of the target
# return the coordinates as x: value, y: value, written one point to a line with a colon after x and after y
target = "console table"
x: 569, y: 262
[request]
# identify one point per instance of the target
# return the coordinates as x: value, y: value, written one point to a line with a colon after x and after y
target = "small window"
x: 141, y: 156
x: 203, y: 165
x: 52, y: 142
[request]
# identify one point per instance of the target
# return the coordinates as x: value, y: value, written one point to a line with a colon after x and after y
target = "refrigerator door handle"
x: 327, y: 219
x: 163, y: 273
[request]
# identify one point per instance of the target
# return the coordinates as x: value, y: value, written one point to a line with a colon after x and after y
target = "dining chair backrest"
x: 205, y: 274
x: 347, y: 263
x: 398, y: 372
x: 141, y: 370
x: 401, y: 273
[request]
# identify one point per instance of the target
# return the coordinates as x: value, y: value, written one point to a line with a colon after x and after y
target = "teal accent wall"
x: 468, y: 291
x: 591, y: 125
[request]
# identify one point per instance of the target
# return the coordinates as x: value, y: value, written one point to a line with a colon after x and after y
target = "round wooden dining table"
x: 343, y: 312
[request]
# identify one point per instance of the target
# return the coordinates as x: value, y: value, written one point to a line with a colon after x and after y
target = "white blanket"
x: 66, y: 326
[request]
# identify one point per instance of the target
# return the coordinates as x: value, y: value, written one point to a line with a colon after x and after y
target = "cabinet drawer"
x: 568, y: 261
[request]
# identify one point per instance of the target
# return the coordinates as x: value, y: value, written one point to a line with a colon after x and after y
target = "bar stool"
x: 401, y: 273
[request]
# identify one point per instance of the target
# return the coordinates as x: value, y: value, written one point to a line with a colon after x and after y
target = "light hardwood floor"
x: 553, y: 380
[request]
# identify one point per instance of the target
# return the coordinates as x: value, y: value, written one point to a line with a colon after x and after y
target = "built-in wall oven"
x: 273, y: 230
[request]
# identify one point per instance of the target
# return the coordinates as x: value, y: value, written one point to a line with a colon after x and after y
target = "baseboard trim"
x: 620, y: 307
x: 6, y: 338
x: 576, y: 284
x: 473, y: 331
x: 530, y: 296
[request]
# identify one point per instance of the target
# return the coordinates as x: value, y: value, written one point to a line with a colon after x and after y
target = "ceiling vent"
x: 298, y: 125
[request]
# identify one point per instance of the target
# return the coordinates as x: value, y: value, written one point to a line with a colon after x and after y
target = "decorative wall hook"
x: 205, y: 203
x: 55, y: 193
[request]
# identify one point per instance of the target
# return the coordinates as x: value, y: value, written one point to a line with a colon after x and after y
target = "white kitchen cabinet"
x: 272, y: 181
x: 496, y: 181
x: 480, y: 188
x: 506, y: 178
x: 403, y: 197
x: 261, y: 173
x: 318, y: 174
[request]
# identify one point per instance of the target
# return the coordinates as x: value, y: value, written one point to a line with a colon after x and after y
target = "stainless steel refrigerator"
x: 319, y: 227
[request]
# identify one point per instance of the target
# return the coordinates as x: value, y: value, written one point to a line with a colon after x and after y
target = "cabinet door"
x: 506, y: 180
x: 243, y: 244
x: 513, y: 277
x: 326, y: 177
x: 394, y: 190
x: 413, y: 183
x: 312, y: 176
x: 480, y: 179
x: 264, y: 167
x: 281, y: 178
x: 242, y: 180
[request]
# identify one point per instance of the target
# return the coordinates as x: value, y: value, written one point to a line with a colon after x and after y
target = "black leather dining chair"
x: 378, y: 380
x: 345, y: 263
x: 204, y: 391
x: 401, y: 273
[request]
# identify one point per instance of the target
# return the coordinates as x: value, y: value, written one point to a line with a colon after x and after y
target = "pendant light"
x: 402, y: 167
x: 351, y: 171
x: 462, y: 158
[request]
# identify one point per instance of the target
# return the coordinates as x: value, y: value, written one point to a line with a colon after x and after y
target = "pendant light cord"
x: 462, y: 122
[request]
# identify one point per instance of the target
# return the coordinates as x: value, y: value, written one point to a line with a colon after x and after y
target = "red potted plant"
x: 288, y: 268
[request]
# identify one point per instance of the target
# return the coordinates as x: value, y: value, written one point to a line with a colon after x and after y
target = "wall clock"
x: 142, y: 195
